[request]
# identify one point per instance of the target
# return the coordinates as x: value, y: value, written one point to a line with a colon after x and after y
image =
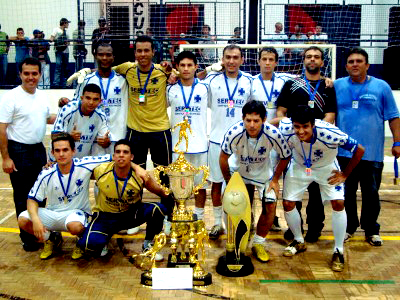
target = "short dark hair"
x: 358, y: 50
x: 316, y: 49
x: 269, y: 50
x: 208, y: 26
x: 254, y: 106
x: 303, y: 114
x: 237, y: 29
x: 20, y: 29
x: 63, y: 136
x: 33, y: 61
x: 232, y: 47
x: 103, y: 44
x: 93, y: 88
x: 186, y: 54
x: 144, y: 39
x: 123, y: 142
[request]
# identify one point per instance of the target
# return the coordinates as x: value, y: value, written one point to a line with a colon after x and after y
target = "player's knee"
x: 337, y: 205
x: 23, y: 222
x: 269, y: 208
x: 289, y: 205
x: 75, y: 228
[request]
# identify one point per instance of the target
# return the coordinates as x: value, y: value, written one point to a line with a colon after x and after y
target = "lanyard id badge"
x: 354, y: 104
x: 142, y: 99
x: 311, y: 104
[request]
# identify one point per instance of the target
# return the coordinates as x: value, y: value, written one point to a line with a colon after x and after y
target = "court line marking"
x: 350, y: 281
x: 7, y: 217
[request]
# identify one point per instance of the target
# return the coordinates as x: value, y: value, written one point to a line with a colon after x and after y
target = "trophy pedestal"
x: 202, y: 280
x: 146, y: 279
x: 229, y: 267
x: 180, y: 263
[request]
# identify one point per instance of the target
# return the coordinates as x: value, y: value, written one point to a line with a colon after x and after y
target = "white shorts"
x: 214, y: 151
x: 296, y: 181
x: 99, y: 150
x: 57, y: 221
x: 197, y: 160
x: 270, y: 197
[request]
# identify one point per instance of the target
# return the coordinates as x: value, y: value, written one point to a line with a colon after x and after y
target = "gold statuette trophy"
x: 236, y: 203
x: 186, y: 231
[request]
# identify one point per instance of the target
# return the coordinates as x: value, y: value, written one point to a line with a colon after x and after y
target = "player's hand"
x: 273, y: 185
x: 167, y: 65
x: 217, y: 67
x: 76, y: 134
x: 140, y: 172
x: 48, y: 165
x: 396, y: 151
x: 173, y: 77
x: 328, y: 82
x: 104, y: 141
x: 8, y: 166
x: 337, y: 178
x: 62, y: 101
x: 80, y: 76
x: 39, y: 230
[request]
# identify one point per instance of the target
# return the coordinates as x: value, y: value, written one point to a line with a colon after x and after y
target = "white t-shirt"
x: 48, y: 185
x: 260, y: 94
x: 57, y: 32
x: 251, y: 155
x: 25, y: 114
x: 198, y: 142
x: 115, y: 106
x: 278, y: 39
x: 321, y: 37
x: 324, y: 147
x: 223, y: 116
x: 89, y: 126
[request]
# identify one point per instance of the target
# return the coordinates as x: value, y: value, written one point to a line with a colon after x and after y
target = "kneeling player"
x: 314, y: 144
x: 250, y: 142
x: 119, y: 203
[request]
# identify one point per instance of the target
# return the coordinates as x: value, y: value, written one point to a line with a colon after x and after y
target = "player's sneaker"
x: 54, y: 241
x: 337, y: 261
x: 77, y: 253
x: 275, y: 226
x: 158, y: 257
x: 294, y: 248
x: 260, y: 253
x: 215, y: 232
x: 104, y: 251
x: 375, y: 240
x: 133, y: 230
x: 347, y: 237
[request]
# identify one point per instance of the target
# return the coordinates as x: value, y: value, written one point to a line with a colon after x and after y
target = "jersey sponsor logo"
x: 192, y: 109
x: 224, y: 101
x: 71, y: 196
x: 150, y: 91
x: 113, y: 101
x: 249, y: 159
x: 86, y: 138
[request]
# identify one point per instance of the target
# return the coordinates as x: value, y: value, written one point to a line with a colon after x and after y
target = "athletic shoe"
x: 375, y: 240
x: 158, y: 257
x: 337, y: 261
x: 133, y: 230
x: 312, y: 236
x: 215, y: 232
x: 275, y: 226
x: 54, y: 241
x: 104, y: 251
x: 31, y: 247
x: 294, y: 248
x: 347, y: 237
x: 77, y: 253
x: 260, y: 253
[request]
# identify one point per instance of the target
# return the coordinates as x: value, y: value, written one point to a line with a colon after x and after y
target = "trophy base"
x: 147, y: 280
x: 180, y: 263
x: 229, y: 268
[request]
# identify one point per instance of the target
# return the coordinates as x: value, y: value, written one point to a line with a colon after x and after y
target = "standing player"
x: 66, y: 187
x: 84, y: 121
x: 314, y: 144
x: 250, y: 141
x: 364, y: 104
x: 310, y: 90
x: 188, y: 98
x: 228, y: 92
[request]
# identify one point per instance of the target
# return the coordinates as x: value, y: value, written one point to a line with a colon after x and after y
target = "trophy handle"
x: 157, y: 172
x: 206, y: 172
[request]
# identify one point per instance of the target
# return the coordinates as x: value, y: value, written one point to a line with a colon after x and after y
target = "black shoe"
x: 337, y: 261
x: 31, y: 247
x: 312, y: 236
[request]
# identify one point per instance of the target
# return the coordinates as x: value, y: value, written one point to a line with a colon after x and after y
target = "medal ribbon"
x: 65, y: 191
x: 356, y: 97
x: 310, y: 92
x: 269, y: 96
x: 124, y: 186
x: 187, y: 103
x: 143, y: 90
x: 105, y: 94
x: 230, y: 97
x: 307, y: 161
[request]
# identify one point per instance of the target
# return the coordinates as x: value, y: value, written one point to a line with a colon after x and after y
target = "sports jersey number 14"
x: 230, y: 112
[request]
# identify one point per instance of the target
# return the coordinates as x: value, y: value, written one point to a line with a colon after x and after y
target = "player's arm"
x: 330, y: 117
x: 224, y: 165
x: 37, y: 225
x: 338, y: 176
x: 154, y: 187
x: 8, y: 163
x: 51, y: 119
x: 280, y: 167
x: 395, y: 128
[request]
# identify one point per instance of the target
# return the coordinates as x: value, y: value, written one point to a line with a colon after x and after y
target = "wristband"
x: 396, y: 144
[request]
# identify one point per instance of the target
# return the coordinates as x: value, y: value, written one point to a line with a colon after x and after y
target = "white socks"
x: 199, y: 212
x: 339, y: 224
x: 294, y: 222
x: 258, y: 239
x: 218, y: 211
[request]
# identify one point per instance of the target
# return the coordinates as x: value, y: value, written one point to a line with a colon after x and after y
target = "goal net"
x: 290, y: 57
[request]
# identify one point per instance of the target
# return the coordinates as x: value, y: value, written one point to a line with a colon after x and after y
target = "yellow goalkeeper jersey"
x: 148, y: 114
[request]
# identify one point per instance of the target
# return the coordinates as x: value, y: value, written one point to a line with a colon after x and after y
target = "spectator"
x: 158, y: 55
x: 297, y: 38
x: 4, y: 48
x: 40, y: 47
x: 278, y: 38
x: 319, y: 37
x: 61, y: 43
x: 207, y: 55
x: 100, y: 35
x: 21, y: 48
x: 236, y: 38
x: 79, y: 51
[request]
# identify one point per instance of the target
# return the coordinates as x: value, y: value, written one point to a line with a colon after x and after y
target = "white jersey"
x: 252, y: 154
x: 114, y: 101
x: 271, y: 88
x: 223, y: 112
x: 89, y: 126
x: 197, y: 115
x: 52, y: 185
x: 323, y: 149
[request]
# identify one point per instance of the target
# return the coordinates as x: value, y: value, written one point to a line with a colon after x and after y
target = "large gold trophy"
x: 186, y: 232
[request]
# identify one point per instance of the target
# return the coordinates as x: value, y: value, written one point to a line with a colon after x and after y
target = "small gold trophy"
x: 186, y: 231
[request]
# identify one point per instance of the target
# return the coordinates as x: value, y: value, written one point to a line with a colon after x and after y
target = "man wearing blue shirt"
x: 364, y: 104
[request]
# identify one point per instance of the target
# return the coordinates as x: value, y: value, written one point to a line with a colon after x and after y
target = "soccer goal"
x: 290, y: 60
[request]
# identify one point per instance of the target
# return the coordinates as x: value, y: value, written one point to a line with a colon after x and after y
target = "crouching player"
x: 250, y: 142
x: 315, y: 145
x: 119, y: 203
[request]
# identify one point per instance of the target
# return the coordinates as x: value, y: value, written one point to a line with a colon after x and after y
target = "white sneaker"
x: 133, y: 230
x: 104, y: 252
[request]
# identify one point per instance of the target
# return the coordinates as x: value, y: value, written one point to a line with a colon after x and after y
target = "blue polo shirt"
x: 364, y: 120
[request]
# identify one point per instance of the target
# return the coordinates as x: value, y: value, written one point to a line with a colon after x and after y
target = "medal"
x: 65, y: 199
x: 311, y: 104
x: 270, y: 104
x: 187, y: 102
x: 231, y: 97
x: 307, y: 161
x: 354, y: 104
x: 142, y: 99
x: 311, y: 93
x: 104, y: 93
x: 356, y: 96
x: 230, y: 103
x: 123, y: 187
x: 308, y: 171
x: 65, y: 191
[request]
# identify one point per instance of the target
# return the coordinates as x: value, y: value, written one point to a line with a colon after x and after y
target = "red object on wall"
x: 297, y: 15
x: 181, y: 19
